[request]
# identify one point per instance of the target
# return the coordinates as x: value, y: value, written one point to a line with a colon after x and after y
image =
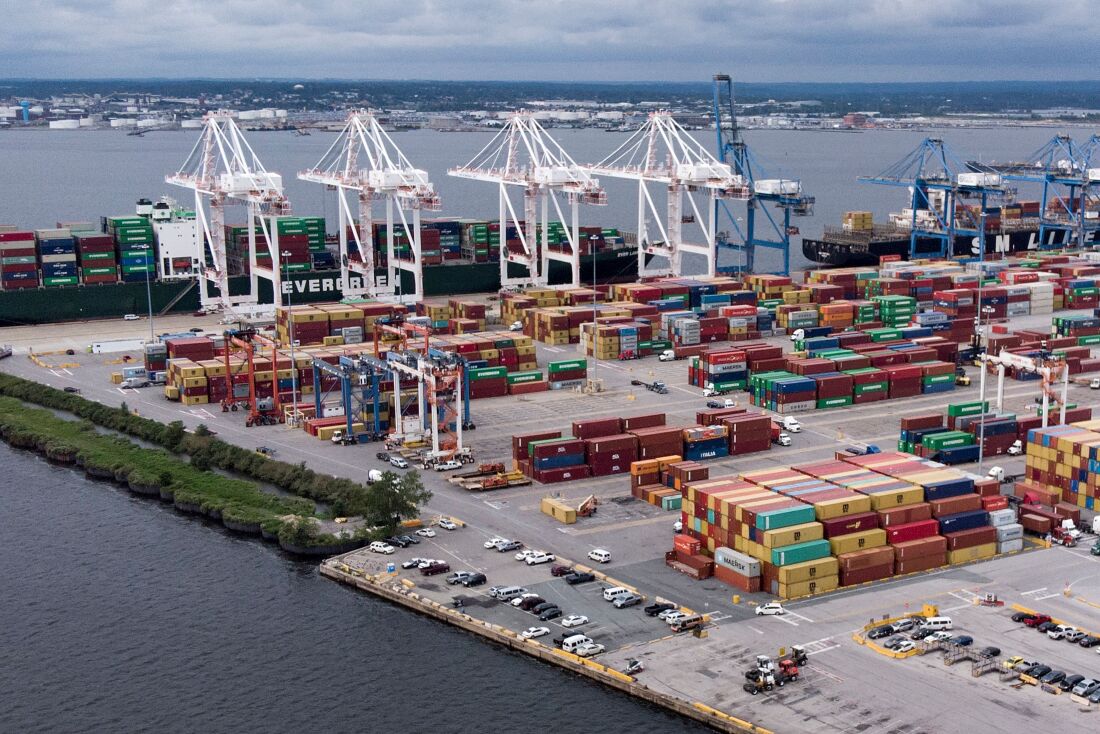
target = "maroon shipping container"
x: 903, y: 515
x: 565, y: 446
x: 912, y: 531
x: 748, y: 584
x: 657, y: 450
x: 850, y: 524
x: 653, y: 420
x: 923, y: 563
x: 959, y: 503
x: 864, y: 575
x: 625, y: 455
x: 623, y: 442
x: 658, y: 435
x: 597, y: 427
x: 867, y: 558
x: 970, y: 538
x: 913, y: 549
x: 564, y: 474
x: 520, y: 442
x: 1067, y: 511
x: 602, y: 468
x: 715, y: 415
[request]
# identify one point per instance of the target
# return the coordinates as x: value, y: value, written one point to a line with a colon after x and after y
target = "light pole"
x: 148, y: 288
x: 595, y: 330
x: 285, y: 254
x: 986, y: 310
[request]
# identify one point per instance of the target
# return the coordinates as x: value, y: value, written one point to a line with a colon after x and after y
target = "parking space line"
x: 1033, y: 591
x: 759, y: 632
x: 800, y: 616
x: 955, y: 609
x: 1047, y: 596
x: 783, y: 618
x: 824, y: 649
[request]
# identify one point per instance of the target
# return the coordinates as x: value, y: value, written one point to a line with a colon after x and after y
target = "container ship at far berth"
x: 859, y: 241
x: 87, y: 270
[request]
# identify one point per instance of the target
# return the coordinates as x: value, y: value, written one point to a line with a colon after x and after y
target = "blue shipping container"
x: 948, y: 488
x: 963, y: 521
x: 558, y: 461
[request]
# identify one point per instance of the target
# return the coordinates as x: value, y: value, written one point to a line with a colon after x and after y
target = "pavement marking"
x: 827, y: 674
x: 1047, y: 596
x: 955, y: 609
x: 823, y: 649
x: 759, y: 632
x: 1033, y: 591
x: 553, y: 349
x: 800, y: 616
x: 783, y: 618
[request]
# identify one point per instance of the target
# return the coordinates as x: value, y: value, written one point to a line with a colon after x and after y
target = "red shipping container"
x: 519, y: 442
x: 971, y: 538
x: 564, y: 474
x: 864, y: 575
x: 912, y: 531
x: 610, y: 444
x: 748, y: 584
x: 992, y: 503
x: 609, y: 468
x: 959, y: 503
x: 924, y: 563
x: 565, y: 446
x: 867, y: 558
x: 685, y: 544
x: 912, y: 549
x: 643, y: 421
x: 597, y: 427
x: 850, y: 524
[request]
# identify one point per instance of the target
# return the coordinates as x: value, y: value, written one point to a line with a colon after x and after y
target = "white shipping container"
x: 776, y: 186
x: 979, y: 179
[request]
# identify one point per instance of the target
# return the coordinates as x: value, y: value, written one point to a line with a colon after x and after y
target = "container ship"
x: 860, y: 241
x: 87, y: 270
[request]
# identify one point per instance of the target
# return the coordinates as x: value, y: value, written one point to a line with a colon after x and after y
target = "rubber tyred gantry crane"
x: 365, y: 161
x: 661, y: 152
x: 222, y: 167
x: 523, y: 155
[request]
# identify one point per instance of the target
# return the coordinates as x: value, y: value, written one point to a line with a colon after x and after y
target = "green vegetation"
x: 291, y: 520
x: 206, y: 451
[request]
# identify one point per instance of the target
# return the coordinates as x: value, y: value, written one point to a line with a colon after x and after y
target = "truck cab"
x: 667, y: 355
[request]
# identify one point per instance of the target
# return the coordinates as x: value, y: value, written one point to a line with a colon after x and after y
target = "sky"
x: 552, y: 40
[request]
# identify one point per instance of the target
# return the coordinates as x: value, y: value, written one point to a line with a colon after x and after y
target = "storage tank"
x: 64, y: 124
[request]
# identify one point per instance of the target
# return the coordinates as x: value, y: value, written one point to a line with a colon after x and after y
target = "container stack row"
x: 135, y: 248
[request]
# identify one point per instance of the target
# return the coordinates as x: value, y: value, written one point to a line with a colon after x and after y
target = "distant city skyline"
x: 615, y: 40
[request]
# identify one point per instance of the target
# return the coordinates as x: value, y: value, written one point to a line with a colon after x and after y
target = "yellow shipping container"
x: 793, y: 534
x: 830, y: 509
x: 858, y: 541
x: 195, y: 399
x: 560, y: 511
x: 897, y: 498
x: 976, y: 553
x: 804, y: 588
x: 194, y: 382
x: 171, y: 392
x: 809, y: 570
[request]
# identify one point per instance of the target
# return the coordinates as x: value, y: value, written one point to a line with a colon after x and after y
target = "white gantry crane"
x: 365, y: 161
x: 523, y: 155
x: 222, y: 167
x: 661, y: 152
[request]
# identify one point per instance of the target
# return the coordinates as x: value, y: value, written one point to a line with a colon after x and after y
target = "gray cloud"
x: 756, y: 40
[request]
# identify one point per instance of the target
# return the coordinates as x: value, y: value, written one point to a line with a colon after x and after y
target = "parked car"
x: 394, y: 540
x: 474, y: 579
x: 382, y: 456
x: 884, y: 630
x: 1021, y: 617
x: 531, y: 602
x: 1089, y: 641
x: 1054, y: 676
x: 599, y: 555
x: 574, y: 620
x: 1034, y: 620
x: 447, y: 524
x: 674, y: 616
x: 409, y: 540
x: 1059, y: 631
x: 540, y: 608
x: 491, y: 543
x: 627, y: 600
x: 532, y: 632
x: 436, y: 568
x: 458, y: 577
x: 939, y: 636
x: 522, y: 555
x: 539, y: 557
x: 905, y: 646
x: 397, y: 461
x: 379, y: 547
x: 1038, y: 670
x: 919, y: 634
x: 1086, y: 687
x: 652, y: 610
x: 561, y: 570
x: 990, y: 651
x: 1070, y: 681
x: 1074, y: 636
x: 509, y: 545
x: 551, y: 613
x: 449, y: 465
x: 904, y: 624
x: 424, y: 563
x: 1046, y: 627
x: 893, y: 641
x: 426, y: 533
x: 963, y: 640
x: 524, y: 596
x: 589, y: 649
x: 772, y: 607
x: 579, y: 578
x: 1094, y: 697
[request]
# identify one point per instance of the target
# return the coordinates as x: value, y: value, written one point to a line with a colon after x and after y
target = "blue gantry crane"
x: 360, y: 386
x: 774, y: 228
x: 1070, y: 178
x: 940, y: 185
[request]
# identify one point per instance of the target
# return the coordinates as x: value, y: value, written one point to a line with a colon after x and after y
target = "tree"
x: 388, y: 501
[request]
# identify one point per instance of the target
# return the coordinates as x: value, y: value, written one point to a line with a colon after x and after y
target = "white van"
x: 615, y: 592
x: 936, y: 623
x: 509, y: 593
x: 599, y: 555
x: 570, y: 644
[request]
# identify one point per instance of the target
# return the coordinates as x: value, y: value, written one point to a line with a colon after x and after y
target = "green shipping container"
x: 840, y: 402
x: 870, y: 387
x: 947, y: 440
x: 484, y: 373
x: 518, y: 378
x: 937, y: 379
x: 963, y: 409
x: 98, y: 271
x: 1084, y: 341
x: 137, y: 268
x: 784, y: 518
x: 19, y: 260
x: 52, y: 282
x: 800, y: 552
x: 567, y: 365
x: 86, y: 256
x: 531, y: 446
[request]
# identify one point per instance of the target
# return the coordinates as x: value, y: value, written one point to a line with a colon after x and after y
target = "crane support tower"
x: 223, y: 168
x: 661, y: 153
x: 1070, y: 177
x: 523, y: 155
x: 759, y: 227
x: 365, y: 162
x: 940, y: 185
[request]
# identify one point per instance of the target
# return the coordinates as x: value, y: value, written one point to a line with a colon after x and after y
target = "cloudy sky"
x: 593, y: 40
